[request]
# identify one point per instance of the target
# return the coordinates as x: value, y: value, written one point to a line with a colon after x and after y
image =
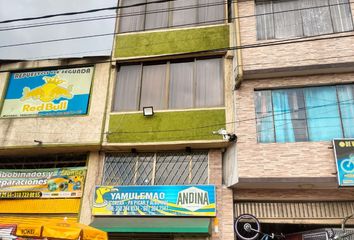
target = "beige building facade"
x: 63, y: 140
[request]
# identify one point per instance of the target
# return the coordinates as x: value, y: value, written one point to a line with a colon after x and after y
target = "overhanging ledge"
x: 153, y: 225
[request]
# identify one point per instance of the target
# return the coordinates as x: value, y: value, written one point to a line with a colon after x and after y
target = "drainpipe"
x: 108, y: 95
x: 239, y: 67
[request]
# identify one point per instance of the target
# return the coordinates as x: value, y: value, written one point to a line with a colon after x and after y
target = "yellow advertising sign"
x: 42, y: 183
x: 28, y: 230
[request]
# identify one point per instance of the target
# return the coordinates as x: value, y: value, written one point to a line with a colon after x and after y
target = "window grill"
x: 43, y: 161
x: 156, y: 168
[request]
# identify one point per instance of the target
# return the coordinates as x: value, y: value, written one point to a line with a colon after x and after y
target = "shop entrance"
x: 248, y: 227
x: 152, y: 236
x: 294, y: 228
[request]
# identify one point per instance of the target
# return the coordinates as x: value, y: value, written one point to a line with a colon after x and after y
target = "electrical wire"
x: 267, y: 44
x: 154, y: 11
x: 285, y: 40
x: 181, y: 25
x: 231, y: 48
x: 244, y: 65
x: 82, y: 12
x: 16, y: 27
x: 238, y: 121
x: 216, y: 124
x: 282, y: 112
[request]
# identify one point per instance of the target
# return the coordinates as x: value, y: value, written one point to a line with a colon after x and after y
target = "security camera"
x: 231, y: 137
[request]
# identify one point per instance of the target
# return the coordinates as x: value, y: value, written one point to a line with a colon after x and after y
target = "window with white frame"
x: 146, y: 15
x: 301, y: 18
x: 305, y: 114
x: 169, y: 168
x: 180, y: 84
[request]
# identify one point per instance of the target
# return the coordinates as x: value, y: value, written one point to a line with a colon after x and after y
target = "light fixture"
x: 148, y: 111
x: 134, y: 152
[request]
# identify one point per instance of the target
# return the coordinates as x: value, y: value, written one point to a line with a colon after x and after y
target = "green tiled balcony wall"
x: 171, y: 41
x: 166, y: 126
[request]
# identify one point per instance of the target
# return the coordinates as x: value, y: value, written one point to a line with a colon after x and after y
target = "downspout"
x: 239, y: 67
x: 238, y: 76
x: 112, y: 65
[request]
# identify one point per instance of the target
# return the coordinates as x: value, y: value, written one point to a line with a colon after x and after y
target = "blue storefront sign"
x: 344, y: 153
x: 59, y: 92
x: 175, y: 200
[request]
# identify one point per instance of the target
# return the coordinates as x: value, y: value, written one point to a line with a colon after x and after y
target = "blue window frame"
x: 305, y: 114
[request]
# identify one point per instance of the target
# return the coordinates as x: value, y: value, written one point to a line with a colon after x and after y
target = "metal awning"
x: 40, y: 206
x: 300, y: 212
x: 38, y: 227
x: 152, y: 225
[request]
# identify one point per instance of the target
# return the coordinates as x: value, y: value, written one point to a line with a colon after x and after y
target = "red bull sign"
x: 48, y: 93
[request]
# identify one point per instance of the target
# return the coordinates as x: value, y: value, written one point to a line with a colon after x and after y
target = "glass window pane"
x: 298, y: 114
x: 284, y: 131
x: 184, y: 12
x: 316, y: 17
x: 199, y: 168
x: 341, y: 15
x: 265, y: 21
x: 127, y: 88
x: 156, y: 15
x: 264, y: 116
x: 289, y: 115
x: 346, y: 100
x: 172, y: 169
x: 119, y: 170
x: 153, y: 88
x: 181, y: 85
x: 144, y: 171
x: 322, y: 113
x: 287, y: 21
x: 211, y: 11
x: 210, y: 83
x: 131, y: 18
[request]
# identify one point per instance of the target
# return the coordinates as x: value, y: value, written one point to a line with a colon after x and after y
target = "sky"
x: 92, y: 46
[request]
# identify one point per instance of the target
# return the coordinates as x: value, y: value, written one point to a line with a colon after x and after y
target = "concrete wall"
x: 262, y: 162
x: 300, y: 55
x: 56, y: 131
x: 229, y: 166
x: 93, y: 178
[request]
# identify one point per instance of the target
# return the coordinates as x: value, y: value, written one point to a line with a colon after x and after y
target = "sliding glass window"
x: 182, y: 84
x: 145, y: 15
x: 305, y: 114
x: 302, y: 18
